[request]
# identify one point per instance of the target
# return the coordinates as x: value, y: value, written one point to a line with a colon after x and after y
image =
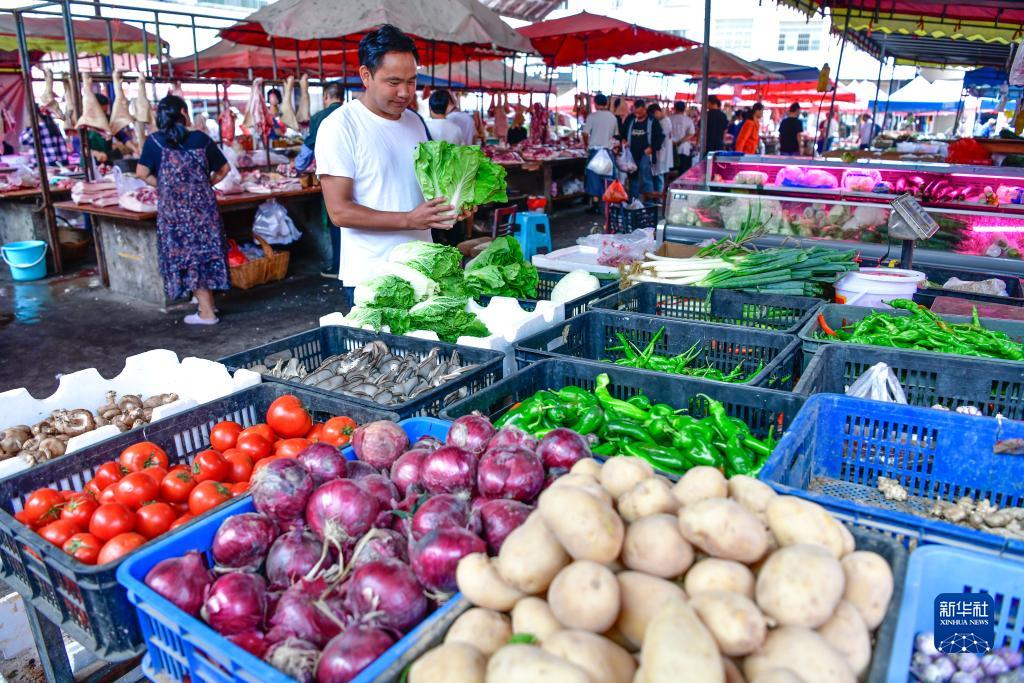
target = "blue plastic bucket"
x: 26, y: 259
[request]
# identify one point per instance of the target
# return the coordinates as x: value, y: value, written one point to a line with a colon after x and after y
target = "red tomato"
x: 59, y: 532
x: 79, y: 510
x: 260, y: 464
x: 83, y: 547
x: 183, y: 467
x: 290, y: 448
x: 175, y: 487
x: 288, y: 418
x: 135, y: 489
x: 316, y: 432
x: 206, y: 496
x: 138, y: 457
x: 153, y: 519
x: 108, y: 473
x: 42, y: 507
x: 92, y: 488
x: 338, y: 431
x: 108, y: 495
x: 179, y: 508
x: 224, y: 434
x: 157, y: 474
x: 263, y: 430
x: 184, y: 519
x: 111, y: 519
x: 238, y: 489
x: 240, y: 464
x: 68, y: 495
x: 254, y: 444
x: 210, y: 466
x: 119, y: 545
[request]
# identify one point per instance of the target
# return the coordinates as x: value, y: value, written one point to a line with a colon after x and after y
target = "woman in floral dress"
x: 184, y: 165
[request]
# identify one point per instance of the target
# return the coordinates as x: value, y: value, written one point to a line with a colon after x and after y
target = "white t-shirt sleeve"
x: 335, y: 149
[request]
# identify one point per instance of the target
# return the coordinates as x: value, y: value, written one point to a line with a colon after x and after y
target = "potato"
x: 588, y: 483
x: 713, y: 574
x: 480, y: 582
x: 735, y: 621
x: 621, y: 473
x: 848, y: 635
x: 449, y: 663
x: 700, y: 483
x: 650, y: 497
x: 602, y: 659
x: 752, y: 494
x: 849, y: 544
x: 800, y: 585
x: 587, y: 527
x: 531, y: 556
x: 585, y: 595
x: 641, y: 596
x: 801, y: 651
x: 869, y: 585
x: 484, y: 629
x: 533, y: 615
x: 777, y: 676
x: 677, y: 646
x: 655, y: 545
x: 794, y: 521
x: 529, y: 664
x: 723, y: 528
x: 587, y: 466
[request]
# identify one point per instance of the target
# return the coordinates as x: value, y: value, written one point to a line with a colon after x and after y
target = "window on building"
x: 733, y: 34
x: 799, y: 36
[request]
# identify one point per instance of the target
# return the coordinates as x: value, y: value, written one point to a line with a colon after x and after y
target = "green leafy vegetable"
x: 448, y: 317
x: 385, y: 291
x: 396, y: 319
x: 503, y: 256
x: 461, y: 173
x: 434, y: 261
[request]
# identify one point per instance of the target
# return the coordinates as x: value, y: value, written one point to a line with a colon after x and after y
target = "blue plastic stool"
x: 534, y: 232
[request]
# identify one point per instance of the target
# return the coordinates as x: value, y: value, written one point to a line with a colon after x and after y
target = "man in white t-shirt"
x: 684, y: 132
x: 866, y: 132
x: 465, y: 123
x: 364, y: 157
x: 440, y: 127
x: 599, y: 132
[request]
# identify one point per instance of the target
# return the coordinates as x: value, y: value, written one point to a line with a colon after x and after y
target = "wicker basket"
x: 271, y: 268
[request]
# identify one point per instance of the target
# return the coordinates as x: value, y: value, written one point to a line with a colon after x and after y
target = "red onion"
x: 563, y: 448
x: 351, y: 652
x: 510, y: 437
x: 357, y: 469
x: 440, y: 511
x: 382, y: 544
x: 499, y: 518
x: 184, y: 581
x: 242, y: 541
x: 341, y: 510
x: 405, y: 472
x: 471, y: 433
x: 280, y: 490
x: 428, y: 443
x: 386, y: 593
x: 237, y: 603
x: 292, y: 556
x: 301, y: 613
x: 295, y: 657
x: 435, y: 557
x: 324, y: 462
x: 386, y: 493
x: 379, y: 443
x: 448, y: 470
x: 252, y: 642
x: 517, y: 474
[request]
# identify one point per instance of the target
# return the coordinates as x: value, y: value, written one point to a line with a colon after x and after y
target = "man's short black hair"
x: 655, y: 107
x: 757, y: 107
x: 639, y: 103
x: 713, y: 99
x: 600, y: 99
x: 335, y: 90
x: 381, y: 41
x: 275, y: 91
x: 679, y: 106
x: 440, y: 100
x: 794, y: 108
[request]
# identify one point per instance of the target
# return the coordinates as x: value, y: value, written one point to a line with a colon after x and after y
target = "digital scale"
x: 908, y: 221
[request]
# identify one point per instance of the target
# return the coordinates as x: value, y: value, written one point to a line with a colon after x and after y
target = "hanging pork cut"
x: 287, y: 110
x: 120, y: 117
x: 48, y: 101
x: 501, y: 119
x: 199, y: 123
x: 71, y: 113
x: 92, y: 113
x: 257, y: 117
x: 303, y: 114
x: 142, y: 107
x: 226, y: 120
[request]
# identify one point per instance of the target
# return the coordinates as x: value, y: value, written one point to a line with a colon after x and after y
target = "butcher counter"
x: 535, y: 177
x: 126, y: 248
x: 21, y: 217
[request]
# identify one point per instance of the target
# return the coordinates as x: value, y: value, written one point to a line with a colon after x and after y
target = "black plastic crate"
x: 588, y: 336
x: 780, y: 312
x: 314, y: 346
x: 1014, y: 291
x: 550, y: 278
x: 623, y: 221
x: 761, y: 409
x: 86, y: 601
x: 991, y: 387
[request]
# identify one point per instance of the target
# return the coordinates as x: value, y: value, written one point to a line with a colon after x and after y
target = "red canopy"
x: 587, y: 37
x: 229, y: 60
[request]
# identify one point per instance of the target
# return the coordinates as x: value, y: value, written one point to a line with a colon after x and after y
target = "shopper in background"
x: 184, y: 165
x: 55, y: 148
x: 599, y: 132
x: 663, y: 157
x: 644, y: 136
x: 440, y: 127
x: 749, y: 137
x: 718, y: 122
x: 517, y: 133
x: 733, y: 131
x: 683, y: 134
x: 790, y: 129
x: 463, y: 120
x: 866, y: 132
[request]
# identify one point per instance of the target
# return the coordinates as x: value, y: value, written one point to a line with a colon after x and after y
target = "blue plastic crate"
x: 934, y: 570
x: 837, y: 448
x: 181, y: 646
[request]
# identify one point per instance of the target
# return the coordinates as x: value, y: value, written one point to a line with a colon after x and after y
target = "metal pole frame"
x: 835, y: 89
x: 76, y: 83
x: 704, y: 84
x: 878, y: 88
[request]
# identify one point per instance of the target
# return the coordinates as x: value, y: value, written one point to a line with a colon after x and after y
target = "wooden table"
x: 547, y: 174
x: 21, y: 217
x: 126, y: 248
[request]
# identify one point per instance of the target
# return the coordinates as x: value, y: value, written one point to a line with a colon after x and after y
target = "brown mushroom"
x: 147, y: 414
x: 111, y: 403
x: 43, y: 428
x: 78, y: 421
x: 31, y: 444
x: 12, y: 438
x: 129, y: 402
x: 51, y: 448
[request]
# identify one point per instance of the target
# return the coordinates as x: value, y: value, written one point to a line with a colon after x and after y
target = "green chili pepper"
x: 577, y: 395
x: 680, y: 422
x: 760, y: 448
x: 614, y: 406
x: 697, y: 449
x: 560, y: 415
x: 590, y: 421
x: 605, y: 449
x: 660, y: 430
x: 662, y: 410
x: 737, y: 459
x: 660, y: 458
x: 720, y: 419
x: 640, y: 401
x: 629, y: 430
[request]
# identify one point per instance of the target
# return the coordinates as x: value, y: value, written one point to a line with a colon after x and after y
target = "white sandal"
x: 194, y: 319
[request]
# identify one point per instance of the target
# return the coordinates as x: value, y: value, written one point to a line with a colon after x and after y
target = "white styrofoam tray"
x: 159, y: 371
x: 572, y: 258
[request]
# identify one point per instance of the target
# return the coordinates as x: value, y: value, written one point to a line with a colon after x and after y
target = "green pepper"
x: 614, y: 406
x: 660, y: 430
x: 590, y: 421
x: 680, y: 422
x: 640, y: 401
x: 577, y: 395
x: 660, y: 458
x: 560, y: 415
x: 760, y: 448
x: 605, y: 450
x: 662, y: 410
x: 720, y: 419
x: 696, y: 449
x: 737, y: 459
x: 629, y: 430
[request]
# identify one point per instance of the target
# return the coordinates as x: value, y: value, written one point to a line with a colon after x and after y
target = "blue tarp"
x: 988, y: 76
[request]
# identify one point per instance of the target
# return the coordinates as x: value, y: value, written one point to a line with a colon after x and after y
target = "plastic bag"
x: 615, y: 193
x: 273, y: 224
x: 626, y: 162
x: 968, y: 151
x: 879, y: 383
x: 602, y: 163
x: 615, y: 250
x: 235, y: 255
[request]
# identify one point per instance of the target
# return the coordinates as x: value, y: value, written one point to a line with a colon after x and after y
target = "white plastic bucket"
x: 875, y: 286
